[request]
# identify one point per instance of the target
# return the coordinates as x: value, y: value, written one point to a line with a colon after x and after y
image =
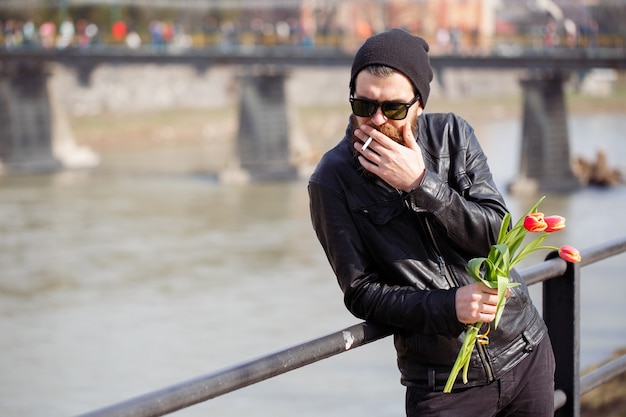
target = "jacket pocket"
x: 381, y: 220
x: 375, y: 203
x: 380, y: 212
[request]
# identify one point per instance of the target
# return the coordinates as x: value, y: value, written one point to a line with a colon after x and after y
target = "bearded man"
x: 399, y: 206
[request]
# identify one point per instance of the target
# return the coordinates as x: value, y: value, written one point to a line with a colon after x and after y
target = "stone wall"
x: 134, y: 88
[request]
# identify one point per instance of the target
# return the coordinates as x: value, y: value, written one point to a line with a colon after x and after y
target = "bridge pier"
x: 25, y: 117
x: 545, y: 161
x: 36, y: 136
x: 263, y: 137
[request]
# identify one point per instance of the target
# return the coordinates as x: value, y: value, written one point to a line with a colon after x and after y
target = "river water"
x: 115, y: 285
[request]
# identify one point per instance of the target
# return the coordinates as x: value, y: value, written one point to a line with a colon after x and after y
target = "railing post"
x: 561, y: 312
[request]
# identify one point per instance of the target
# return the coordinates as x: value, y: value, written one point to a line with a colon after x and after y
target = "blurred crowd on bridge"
x: 450, y: 26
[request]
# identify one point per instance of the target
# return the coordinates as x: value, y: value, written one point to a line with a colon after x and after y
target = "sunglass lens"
x: 395, y: 111
x: 363, y: 108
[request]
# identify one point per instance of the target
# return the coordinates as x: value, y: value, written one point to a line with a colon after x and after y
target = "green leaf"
x: 502, y: 255
x: 528, y: 249
x: 463, y: 357
x: 514, y: 239
x: 503, y: 284
x: 474, y: 267
x: 504, y: 227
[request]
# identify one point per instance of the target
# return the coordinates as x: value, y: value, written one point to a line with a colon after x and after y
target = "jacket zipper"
x: 483, y: 356
x: 443, y: 271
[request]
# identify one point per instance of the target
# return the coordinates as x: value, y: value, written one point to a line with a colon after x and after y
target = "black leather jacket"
x: 399, y: 257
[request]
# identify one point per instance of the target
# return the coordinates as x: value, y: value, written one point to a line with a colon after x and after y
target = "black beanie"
x: 401, y: 51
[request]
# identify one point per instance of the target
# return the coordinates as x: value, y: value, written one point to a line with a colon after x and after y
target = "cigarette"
x: 366, y: 144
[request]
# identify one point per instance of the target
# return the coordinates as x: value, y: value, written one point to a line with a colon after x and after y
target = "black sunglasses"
x: 363, y: 107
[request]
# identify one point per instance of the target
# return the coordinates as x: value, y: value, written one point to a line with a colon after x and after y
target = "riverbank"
x: 608, y: 400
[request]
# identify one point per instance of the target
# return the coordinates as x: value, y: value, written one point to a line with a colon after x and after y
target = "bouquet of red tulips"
x: 494, y: 272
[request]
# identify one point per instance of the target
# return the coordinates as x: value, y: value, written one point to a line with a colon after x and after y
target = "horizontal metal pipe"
x: 555, y: 267
x: 203, y: 388
x: 603, y: 374
x: 548, y: 269
x: 603, y: 251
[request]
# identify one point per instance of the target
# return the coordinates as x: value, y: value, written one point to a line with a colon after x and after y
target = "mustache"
x: 386, y: 129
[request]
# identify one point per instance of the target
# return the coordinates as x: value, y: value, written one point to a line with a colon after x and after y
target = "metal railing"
x: 561, y: 311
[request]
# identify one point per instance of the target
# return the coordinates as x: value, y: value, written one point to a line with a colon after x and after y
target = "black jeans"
x: 525, y: 391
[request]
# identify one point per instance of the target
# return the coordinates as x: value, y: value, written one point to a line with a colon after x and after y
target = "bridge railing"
x: 197, y: 39
x: 561, y: 310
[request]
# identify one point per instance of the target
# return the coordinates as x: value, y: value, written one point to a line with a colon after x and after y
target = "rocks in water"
x: 598, y: 172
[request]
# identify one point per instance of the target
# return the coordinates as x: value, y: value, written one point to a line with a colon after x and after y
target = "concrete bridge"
x: 28, y: 109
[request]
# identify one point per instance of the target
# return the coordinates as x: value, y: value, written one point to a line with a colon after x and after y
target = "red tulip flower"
x: 569, y: 254
x: 535, y: 222
x: 555, y: 223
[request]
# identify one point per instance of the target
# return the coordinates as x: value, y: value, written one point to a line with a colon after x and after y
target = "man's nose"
x: 378, y: 118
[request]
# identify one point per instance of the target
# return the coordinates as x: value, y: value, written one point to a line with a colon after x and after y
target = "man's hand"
x: 400, y: 166
x: 476, y: 303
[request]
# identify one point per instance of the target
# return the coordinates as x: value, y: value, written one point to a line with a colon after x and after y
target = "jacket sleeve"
x: 459, y: 189
x: 367, y: 294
